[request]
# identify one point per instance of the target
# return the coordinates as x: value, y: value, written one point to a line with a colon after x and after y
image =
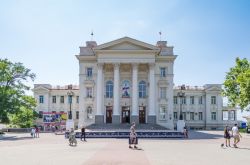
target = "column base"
x: 180, y: 125
x: 135, y: 119
x: 116, y: 119
x: 99, y: 119
x: 152, y: 119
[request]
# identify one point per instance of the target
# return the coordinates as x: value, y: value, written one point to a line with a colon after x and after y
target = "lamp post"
x: 181, y: 122
x: 70, y: 95
x: 70, y: 122
x: 181, y: 95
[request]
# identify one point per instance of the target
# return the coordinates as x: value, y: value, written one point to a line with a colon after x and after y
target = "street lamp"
x: 181, y: 122
x: 181, y: 95
x: 70, y: 122
x: 70, y: 95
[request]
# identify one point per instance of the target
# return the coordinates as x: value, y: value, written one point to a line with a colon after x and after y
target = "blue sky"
x: 44, y: 35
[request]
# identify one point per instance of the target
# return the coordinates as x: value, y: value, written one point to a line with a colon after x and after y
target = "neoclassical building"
x: 126, y: 81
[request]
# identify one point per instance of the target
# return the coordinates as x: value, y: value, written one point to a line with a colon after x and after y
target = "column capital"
x: 100, y: 65
x: 151, y: 65
x: 116, y: 65
x: 135, y: 65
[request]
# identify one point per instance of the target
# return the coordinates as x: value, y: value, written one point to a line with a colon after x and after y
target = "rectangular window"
x: 200, y: 116
x: 163, y: 92
x: 89, y: 92
x: 53, y: 99
x: 77, y: 99
x: 163, y: 113
x: 184, y: 116
x: 70, y: 98
x: 213, y: 115
x: 213, y: 99
x: 191, y: 115
x: 200, y: 100
x: 192, y: 100
x: 89, y: 72
x: 231, y: 115
x: 41, y: 99
x: 77, y: 114
x: 175, y: 116
x: 163, y: 72
x: 183, y: 100
x: 224, y: 115
x: 62, y: 99
x: 40, y: 114
x: 175, y: 100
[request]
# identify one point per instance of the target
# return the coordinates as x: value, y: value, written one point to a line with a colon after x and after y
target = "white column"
x: 151, y: 89
x: 135, y: 90
x: 116, y: 89
x: 99, y: 90
x: 82, y: 93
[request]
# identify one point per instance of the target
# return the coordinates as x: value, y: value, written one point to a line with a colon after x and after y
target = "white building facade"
x: 126, y: 81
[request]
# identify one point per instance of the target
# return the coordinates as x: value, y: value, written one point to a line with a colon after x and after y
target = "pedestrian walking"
x: 236, y: 135
x: 185, y: 131
x: 37, y: 132
x: 33, y: 131
x: 133, y: 136
x: 83, y: 133
x: 227, y: 137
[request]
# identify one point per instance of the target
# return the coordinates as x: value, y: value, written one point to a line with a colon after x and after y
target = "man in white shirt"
x: 236, y: 135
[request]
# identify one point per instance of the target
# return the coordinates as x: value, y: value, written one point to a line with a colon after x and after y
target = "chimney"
x: 91, y: 44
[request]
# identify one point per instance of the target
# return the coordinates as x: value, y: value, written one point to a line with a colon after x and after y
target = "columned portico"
x: 151, y: 113
x: 135, y: 117
x: 99, y: 96
x: 116, y: 113
x: 128, y: 76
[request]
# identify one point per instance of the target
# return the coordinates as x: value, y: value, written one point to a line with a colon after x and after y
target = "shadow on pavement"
x: 14, y: 138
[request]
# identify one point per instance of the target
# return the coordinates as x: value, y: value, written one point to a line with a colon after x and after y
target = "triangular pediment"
x: 126, y: 43
x: 40, y: 88
x: 213, y: 88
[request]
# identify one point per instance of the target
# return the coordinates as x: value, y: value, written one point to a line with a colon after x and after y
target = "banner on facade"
x: 49, y: 117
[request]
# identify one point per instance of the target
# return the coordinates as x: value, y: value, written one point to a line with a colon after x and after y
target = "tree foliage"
x: 12, y: 88
x: 237, y: 84
x: 25, y: 117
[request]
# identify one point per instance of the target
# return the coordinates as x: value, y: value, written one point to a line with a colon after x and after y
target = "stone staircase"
x: 117, y: 127
x: 123, y: 131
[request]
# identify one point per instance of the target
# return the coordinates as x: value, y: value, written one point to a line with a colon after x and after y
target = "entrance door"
x: 142, y: 114
x: 109, y: 112
x: 126, y: 114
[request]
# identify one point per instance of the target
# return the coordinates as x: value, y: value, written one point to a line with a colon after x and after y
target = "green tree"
x: 12, y: 88
x: 25, y: 117
x: 237, y: 84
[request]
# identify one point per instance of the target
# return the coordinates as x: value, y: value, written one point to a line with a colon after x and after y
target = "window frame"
x: 142, y: 92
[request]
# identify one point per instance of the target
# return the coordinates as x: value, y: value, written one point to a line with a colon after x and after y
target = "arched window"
x: 142, y: 89
x: 109, y: 89
x: 89, y: 112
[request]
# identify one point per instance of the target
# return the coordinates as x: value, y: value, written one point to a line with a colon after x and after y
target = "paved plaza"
x: 202, y: 148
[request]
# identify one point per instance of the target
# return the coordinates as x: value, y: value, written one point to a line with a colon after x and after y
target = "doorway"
x: 126, y: 114
x: 109, y: 112
x: 142, y: 114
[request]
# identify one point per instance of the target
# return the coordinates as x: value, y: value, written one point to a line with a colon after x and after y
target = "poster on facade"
x: 54, y: 117
x: 125, y: 89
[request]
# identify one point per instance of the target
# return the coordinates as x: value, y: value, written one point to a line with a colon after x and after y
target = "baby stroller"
x: 72, y: 139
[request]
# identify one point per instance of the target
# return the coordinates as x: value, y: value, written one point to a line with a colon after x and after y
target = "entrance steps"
x: 123, y: 131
